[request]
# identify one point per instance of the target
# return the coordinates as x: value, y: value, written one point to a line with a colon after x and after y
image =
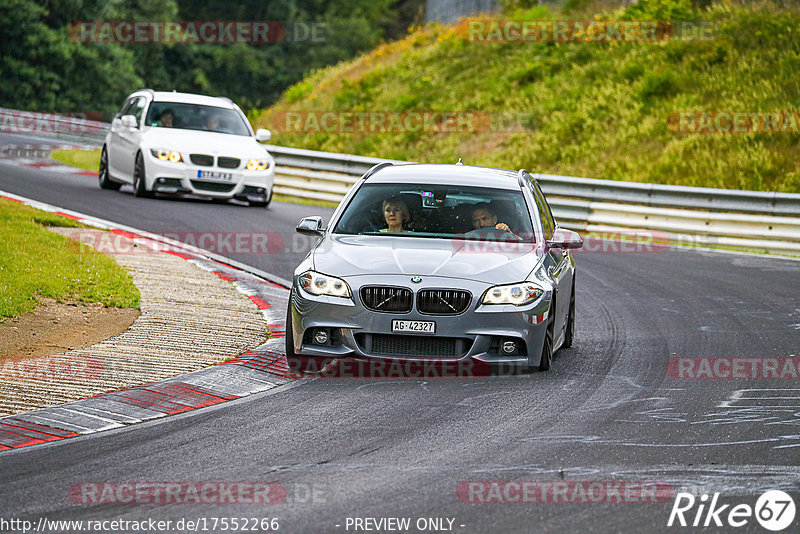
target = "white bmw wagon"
x: 168, y: 142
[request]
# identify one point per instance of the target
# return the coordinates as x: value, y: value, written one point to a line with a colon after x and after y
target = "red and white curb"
x: 255, y: 371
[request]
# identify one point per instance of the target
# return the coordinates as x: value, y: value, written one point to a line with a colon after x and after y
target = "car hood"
x: 196, y: 142
x: 492, y: 263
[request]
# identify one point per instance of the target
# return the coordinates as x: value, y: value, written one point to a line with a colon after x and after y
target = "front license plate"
x: 215, y: 175
x: 425, y: 327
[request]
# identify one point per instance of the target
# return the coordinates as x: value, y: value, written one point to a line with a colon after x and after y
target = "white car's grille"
x: 204, y: 160
x: 228, y: 163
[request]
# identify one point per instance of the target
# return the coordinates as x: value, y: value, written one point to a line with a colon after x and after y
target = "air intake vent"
x: 387, y: 299
x: 405, y: 346
x: 228, y: 163
x: 443, y: 301
x: 213, y: 186
x: 203, y: 160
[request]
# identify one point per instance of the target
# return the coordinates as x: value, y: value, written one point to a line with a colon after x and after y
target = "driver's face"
x: 482, y: 218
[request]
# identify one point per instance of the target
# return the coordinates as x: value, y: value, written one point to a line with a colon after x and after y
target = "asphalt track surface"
x: 379, y: 448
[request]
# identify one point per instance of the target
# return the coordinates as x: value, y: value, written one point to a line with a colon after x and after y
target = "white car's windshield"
x: 196, y: 117
x: 433, y: 211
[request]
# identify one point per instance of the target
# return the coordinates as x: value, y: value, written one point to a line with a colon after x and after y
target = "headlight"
x: 320, y: 284
x: 166, y: 155
x: 516, y: 294
x: 257, y: 164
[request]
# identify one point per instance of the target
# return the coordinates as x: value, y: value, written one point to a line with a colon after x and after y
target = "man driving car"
x: 483, y: 217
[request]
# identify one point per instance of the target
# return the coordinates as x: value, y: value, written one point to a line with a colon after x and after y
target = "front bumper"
x: 477, y: 333
x: 185, y: 177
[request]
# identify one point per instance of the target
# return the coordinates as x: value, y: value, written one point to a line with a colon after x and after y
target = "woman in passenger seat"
x: 395, y: 213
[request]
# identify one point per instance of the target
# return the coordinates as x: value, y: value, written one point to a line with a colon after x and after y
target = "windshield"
x: 196, y: 117
x: 431, y: 211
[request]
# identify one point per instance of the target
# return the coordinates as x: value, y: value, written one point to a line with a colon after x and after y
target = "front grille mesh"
x: 203, y: 160
x: 443, y: 301
x: 387, y: 299
x: 228, y: 163
x: 415, y: 346
x: 212, y: 186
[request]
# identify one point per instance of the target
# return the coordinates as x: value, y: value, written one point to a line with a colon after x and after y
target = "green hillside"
x: 583, y: 108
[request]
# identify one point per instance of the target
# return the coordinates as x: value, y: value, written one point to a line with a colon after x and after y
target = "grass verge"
x: 88, y: 160
x: 36, y: 262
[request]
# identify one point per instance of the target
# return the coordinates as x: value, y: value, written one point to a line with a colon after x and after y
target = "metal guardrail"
x: 759, y: 220
x: 766, y: 221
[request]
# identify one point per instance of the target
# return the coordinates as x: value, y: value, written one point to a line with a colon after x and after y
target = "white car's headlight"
x: 321, y: 284
x: 516, y: 294
x: 257, y: 165
x: 166, y: 155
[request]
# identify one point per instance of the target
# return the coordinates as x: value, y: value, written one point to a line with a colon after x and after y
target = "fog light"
x: 321, y: 336
x: 509, y: 347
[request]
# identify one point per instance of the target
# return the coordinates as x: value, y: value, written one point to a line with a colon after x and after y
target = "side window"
x: 546, y: 218
x: 548, y: 222
x: 137, y: 109
x: 125, y: 107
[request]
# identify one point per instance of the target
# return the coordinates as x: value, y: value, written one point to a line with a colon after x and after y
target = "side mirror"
x: 263, y: 135
x: 129, y: 121
x: 310, y: 226
x: 566, y: 239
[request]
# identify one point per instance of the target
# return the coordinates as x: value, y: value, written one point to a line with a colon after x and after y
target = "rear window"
x: 431, y: 211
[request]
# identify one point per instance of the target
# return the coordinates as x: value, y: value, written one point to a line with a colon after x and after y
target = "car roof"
x: 443, y: 174
x: 189, y: 98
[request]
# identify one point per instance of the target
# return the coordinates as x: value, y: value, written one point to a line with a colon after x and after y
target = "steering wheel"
x: 489, y: 231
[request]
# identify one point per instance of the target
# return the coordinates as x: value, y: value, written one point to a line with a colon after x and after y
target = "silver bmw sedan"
x: 435, y: 263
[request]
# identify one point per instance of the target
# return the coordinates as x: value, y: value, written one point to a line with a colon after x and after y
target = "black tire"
x: 547, y: 347
x: 139, y: 179
x: 102, y: 173
x: 569, y: 334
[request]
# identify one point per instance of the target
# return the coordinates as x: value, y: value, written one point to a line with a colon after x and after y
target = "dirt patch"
x: 58, y: 326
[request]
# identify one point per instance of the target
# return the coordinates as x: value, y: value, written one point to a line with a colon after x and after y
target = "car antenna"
x: 459, y: 162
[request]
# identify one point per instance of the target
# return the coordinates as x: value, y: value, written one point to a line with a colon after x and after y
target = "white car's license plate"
x: 215, y: 175
x: 426, y: 327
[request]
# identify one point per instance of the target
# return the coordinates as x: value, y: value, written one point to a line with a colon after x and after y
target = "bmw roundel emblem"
x: 416, y: 279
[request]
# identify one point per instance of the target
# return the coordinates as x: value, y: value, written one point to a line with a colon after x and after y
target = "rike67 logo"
x: 774, y: 510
